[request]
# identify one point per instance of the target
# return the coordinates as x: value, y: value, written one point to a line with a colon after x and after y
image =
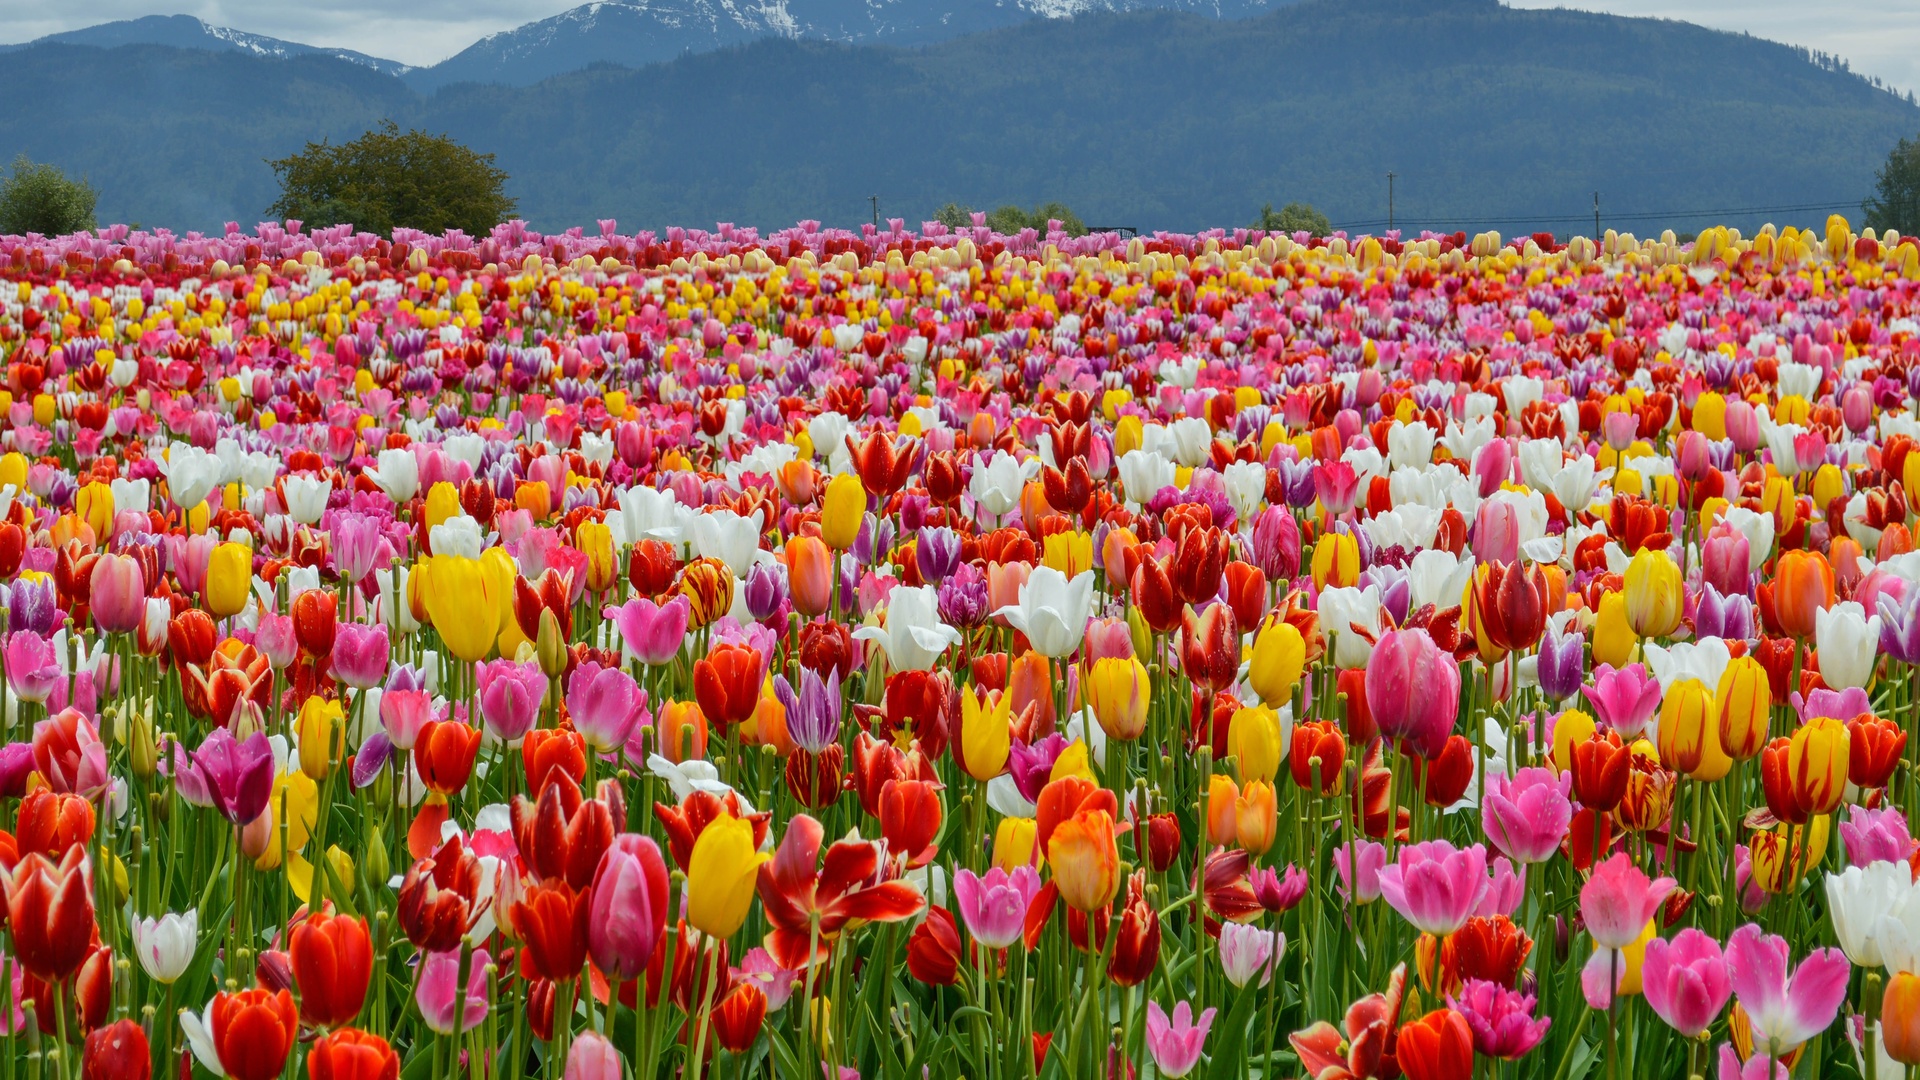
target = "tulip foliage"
x: 949, y: 655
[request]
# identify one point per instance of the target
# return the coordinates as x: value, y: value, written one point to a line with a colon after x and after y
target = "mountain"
x: 1490, y: 116
x: 187, y: 32
x: 634, y: 33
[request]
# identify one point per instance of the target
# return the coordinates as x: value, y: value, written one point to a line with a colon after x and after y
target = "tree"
x: 1896, y: 198
x: 39, y: 198
x: 1292, y: 218
x: 1011, y: 219
x: 385, y: 180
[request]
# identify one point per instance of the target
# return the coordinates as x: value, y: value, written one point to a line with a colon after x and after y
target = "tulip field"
x: 941, y: 654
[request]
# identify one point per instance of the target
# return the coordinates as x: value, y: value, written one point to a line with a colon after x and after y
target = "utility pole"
x: 1390, y: 176
x: 1596, y: 217
x: 875, y: 200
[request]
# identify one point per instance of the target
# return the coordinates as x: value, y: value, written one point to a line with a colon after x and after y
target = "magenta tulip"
x: 629, y: 912
x: 994, y: 905
x: 652, y: 632
x: 1436, y: 886
x: 1413, y: 691
x: 1624, y: 699
x: 1502, y: 1020
x: 360, y: 654
x: 510, y: 697
x: 1526, y: 817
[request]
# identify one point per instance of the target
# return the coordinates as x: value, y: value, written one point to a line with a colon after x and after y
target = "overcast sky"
x: 1879, y: 37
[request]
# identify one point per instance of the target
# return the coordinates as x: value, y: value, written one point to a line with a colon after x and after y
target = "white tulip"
x: 913, y: 637
x: 165, y: 945
x: 1053, y: 611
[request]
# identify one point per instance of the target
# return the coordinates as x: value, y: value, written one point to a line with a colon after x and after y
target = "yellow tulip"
x: 1745, y: 701
x: 1817, y: 763
x: 1573, y: 728
x: 45, y: 410
x: 842, y: 511
x: 321, y: 727
x: 1073, y: 761
x: 721, y: 875
x: 1069, y: 552
x: 1013, y: 842
x: 986, y: 731
x: 595, y: 540
x: 1633, y: 958
x: 1279, y: 658
x: 296, y: 803
x: 1653, y: 594
x: 1253, y: 738
x: 1613, y: 639
x: 501, y: 570
x: 462, y: 597
x: 94, y: 504
x: 443, y: 502
x: 1710, y: 416
x: 1690, y: 732
x: 1118, y: 691
x: 1336, y: 561
x: 229, y: 579
x: 1828, y: 485
x: 13, y: 471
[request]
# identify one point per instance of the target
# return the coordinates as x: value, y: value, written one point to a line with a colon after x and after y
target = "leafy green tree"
x: 1011, y: 219
x: 385, y: 180
x: 1896, y: 199
x: 39, y: 198
x: 1292, y: 218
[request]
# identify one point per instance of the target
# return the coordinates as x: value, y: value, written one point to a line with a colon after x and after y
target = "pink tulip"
x: 1685, y: 981
x: 1725, y: 561
x: 1175, y: 1045
x: 629, y: 907
x: 510, y: 697
x: 1785, y: 1008
x: 605, y: 704
x: 405, y: 707
x: 1371, y: 856
x: 1526, y: 817
x: 1413, y: 690
x: 1502, y: 1019
x: 1757, y: 1066
x: 1618, y: 900
x: 439, y: 977
x: 118, y: 592
x: 994, y: 905
x: 1876, y: 835
x: 592, y: 1057
x: 360, y: 654
x: 1337, y: 486
x: 1624, y: 699
x: 1436, y: 886
x: 1504, y: 891
x: 1246, y: 950
x: 274, y: 637
x: 652, y: 632
x: 33, y: 669
x: 1496, y: 532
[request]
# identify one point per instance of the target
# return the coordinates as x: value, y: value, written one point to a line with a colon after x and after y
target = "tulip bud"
x: 551, y: 645
x: 140, y: 744
x: 374, y: 853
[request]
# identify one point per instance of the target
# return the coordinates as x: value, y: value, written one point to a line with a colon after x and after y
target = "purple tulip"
x: 765, y: 589
x: 1871, y: 835
x: 32, y: 605
x: 1561, y: 657
x: 936, y: 551
x: 813, y: 712
x: 1723, y: 616
x: 1900, y: 626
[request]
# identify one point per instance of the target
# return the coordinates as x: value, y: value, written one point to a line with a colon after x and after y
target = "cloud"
x: 1875, y: 37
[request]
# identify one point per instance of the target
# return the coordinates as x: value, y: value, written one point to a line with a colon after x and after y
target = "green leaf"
x: 1229, y: 1052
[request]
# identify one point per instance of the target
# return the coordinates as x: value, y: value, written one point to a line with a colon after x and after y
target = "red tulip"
x: 808, y: 907
x: 51, y: 824
x: 313, y: 621
x: 253, y: 1031
x: 883, y: 466
x: 1438, y: 1046
x: 727, y: 683
x: 1137, y: 949
x: 1199, y: 559
x: 563, y: 836
x: 350, y: 1054
x: 551, y: 591
x: 551, y: 921
x: 436, y: 905
x: 50, y: 908
x: 739, y: 1015
x: 332, y: 960
x: 683, y: 824
x: 933, y: 950
x: 118, y: 1051
x: 545, y: 750
x: 1246, y: 592
x: 1154, y: 595
x: 910, y: 816
x: 443, y: 754
x: 1210, y: 646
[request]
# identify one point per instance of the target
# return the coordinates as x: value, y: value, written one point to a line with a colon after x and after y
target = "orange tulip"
x: 810, y: 575
x: 1802, y: 584
x: 1086, y: 860
x: 1900, y: 1018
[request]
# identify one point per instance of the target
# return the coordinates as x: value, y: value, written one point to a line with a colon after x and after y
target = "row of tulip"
x: 938, y: 655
